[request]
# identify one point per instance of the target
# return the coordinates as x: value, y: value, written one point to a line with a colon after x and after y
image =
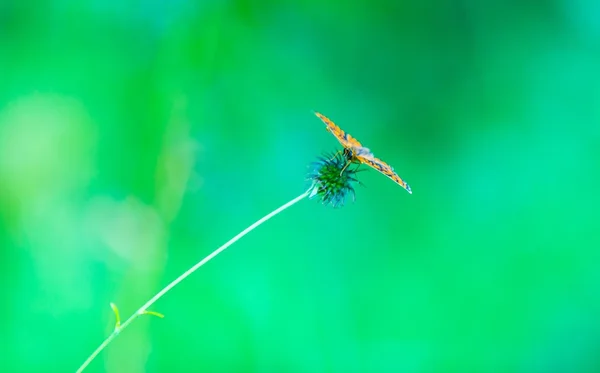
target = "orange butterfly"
x: 356, y: 153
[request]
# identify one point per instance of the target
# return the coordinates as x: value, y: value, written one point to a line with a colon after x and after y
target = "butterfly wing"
x: 385, y: 169
x: 344, y: 138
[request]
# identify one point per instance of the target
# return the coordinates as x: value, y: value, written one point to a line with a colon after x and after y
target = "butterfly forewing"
x: 385, y: 169
x: 344, y: 138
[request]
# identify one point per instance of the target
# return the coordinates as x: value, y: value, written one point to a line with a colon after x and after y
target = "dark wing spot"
x: 378, y: 167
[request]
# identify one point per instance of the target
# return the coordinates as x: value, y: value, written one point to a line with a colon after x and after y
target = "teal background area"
x: 138, y: 136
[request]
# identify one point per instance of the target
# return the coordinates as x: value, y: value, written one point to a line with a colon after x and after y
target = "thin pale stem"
x: 142, y: 310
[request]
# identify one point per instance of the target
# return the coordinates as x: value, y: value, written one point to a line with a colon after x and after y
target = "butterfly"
x: 356, y: 153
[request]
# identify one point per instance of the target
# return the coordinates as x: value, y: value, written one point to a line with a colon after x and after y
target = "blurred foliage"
x: 137, y: 136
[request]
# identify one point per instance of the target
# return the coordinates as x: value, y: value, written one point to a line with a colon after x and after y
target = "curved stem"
x: 142, y: 310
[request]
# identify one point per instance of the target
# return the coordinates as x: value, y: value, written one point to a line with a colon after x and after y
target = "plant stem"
x: 142, y: 310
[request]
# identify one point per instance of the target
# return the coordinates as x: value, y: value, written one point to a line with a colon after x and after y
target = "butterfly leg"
x: 345, y: 166
x: 335, y: 155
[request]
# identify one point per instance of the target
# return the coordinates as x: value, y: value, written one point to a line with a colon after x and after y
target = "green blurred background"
x: 138, y: 136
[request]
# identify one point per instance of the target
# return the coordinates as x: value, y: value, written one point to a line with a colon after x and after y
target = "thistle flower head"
x: 329, y: 183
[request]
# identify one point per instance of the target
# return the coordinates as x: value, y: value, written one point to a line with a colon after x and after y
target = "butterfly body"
x: 356, y: 153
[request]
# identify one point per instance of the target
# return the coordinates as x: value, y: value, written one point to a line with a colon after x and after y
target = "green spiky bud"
x: 332, y: 180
